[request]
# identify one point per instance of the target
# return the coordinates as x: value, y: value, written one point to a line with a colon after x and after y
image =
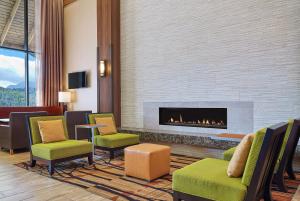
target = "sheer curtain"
x: 49, y: 50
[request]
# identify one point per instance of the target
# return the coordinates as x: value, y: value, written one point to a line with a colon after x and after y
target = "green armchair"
x: 286, y: 154
x: 55, y: 152
x: 112, y: 142
x: 207, y: 179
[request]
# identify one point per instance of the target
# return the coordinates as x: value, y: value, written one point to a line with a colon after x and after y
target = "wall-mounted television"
x: 77, y: 80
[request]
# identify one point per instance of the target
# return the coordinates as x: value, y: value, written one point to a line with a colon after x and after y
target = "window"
x: 17, y: 53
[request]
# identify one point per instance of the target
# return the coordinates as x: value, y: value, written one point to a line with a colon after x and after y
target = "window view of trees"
x: 12, y: 78
x: 17, y: 57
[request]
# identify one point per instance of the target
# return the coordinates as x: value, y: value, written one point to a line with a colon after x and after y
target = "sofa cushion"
x: 52, y: 131
x: 253, y: 156
x: 109, y: 128
x: 227, y: 155
x: 238, y: 161
x: 207, y: 178
x: 63, y: 149
x: 116, y: 140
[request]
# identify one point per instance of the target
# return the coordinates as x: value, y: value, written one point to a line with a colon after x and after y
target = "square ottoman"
x: 147, y: 161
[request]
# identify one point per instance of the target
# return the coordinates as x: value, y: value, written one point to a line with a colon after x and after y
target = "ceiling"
x: 12, y: 23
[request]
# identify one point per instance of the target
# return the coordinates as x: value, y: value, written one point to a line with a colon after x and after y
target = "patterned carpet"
x: 108, y: 180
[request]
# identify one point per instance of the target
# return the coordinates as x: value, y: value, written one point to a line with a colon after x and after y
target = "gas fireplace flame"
x: 199, y: 122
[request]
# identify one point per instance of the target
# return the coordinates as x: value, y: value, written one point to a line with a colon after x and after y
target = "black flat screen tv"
x: 77, y: 80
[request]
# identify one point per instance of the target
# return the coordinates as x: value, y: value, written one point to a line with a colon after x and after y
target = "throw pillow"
x: 108, y: 122
x: 52, y: 131
x: 238, y: 161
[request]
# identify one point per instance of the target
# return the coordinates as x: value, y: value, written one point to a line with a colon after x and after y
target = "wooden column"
x: 108, y: 36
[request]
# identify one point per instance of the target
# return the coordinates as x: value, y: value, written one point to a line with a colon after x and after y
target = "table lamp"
x: 65, y: 98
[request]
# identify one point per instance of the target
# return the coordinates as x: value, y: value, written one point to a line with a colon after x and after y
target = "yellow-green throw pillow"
x: 52, y: 131
x: 109, y: 125
x: 238, y: 161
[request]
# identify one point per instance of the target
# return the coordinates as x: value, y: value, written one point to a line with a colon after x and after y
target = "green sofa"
x: 55, y: 152
x: 207, y: 179
x: 113, y: 142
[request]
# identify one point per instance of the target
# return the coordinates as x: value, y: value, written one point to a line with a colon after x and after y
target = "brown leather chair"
x: 15, y: 134
x: 77, y: 118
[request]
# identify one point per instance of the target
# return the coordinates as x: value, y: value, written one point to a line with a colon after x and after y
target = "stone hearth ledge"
x: 188, y: 138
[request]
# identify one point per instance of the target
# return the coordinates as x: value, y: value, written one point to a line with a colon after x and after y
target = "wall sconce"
x: 102, y: 68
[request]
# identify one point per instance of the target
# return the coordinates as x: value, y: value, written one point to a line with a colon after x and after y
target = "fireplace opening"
x: 194, y: 117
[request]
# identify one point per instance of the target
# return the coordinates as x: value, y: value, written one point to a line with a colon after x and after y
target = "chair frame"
x: 289, y: 151
x: 289, y: 165
x: 51, y: 163
x: 110, y: 150
x: 260, y: 185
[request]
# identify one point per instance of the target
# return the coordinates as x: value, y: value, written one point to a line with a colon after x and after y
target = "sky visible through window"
x: 12, y: 78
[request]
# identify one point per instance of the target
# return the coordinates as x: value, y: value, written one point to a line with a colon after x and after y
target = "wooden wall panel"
x: 67, y: 2
x: 108, y: 36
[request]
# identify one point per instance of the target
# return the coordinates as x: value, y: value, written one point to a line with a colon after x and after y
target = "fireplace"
x: 194, y: 117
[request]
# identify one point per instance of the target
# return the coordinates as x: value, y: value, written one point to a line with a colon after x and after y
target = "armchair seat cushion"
x: 62, y: 149
x: 208, y: 179
x: 227, y: 155
x: 116, y: 140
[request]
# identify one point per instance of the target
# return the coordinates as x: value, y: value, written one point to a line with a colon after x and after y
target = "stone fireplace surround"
x: 239, y: 117
x: 239, y: 120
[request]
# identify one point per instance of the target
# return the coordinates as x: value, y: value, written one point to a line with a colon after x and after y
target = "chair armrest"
x: 5, y: 136
x: 4, y: 130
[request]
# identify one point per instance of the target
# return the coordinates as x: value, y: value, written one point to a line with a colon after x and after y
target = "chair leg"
x: 267, y: 194
x: 11, y: 152
x: 176, y: 197
x: 90, y: 159
x: 32, y: 163
x: 51, y: 168
x: 279, y: 181
x: 111, y: 155
x: 289, y: 170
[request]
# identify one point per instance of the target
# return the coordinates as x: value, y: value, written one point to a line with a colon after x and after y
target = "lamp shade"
x: 64, y: 97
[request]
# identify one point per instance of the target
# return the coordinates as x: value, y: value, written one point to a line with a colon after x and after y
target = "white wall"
x: 210, y: 50
x: 80, y: 50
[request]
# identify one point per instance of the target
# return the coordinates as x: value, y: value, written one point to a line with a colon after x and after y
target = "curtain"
x: 49, y: 25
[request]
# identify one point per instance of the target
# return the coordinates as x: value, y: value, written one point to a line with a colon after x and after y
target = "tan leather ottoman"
x: 147, y: 161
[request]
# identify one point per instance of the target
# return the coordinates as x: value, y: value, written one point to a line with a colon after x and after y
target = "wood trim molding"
x: 108, y: 37
x: 67, y: 2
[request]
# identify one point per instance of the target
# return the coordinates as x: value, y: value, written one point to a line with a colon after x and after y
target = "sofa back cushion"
x: 92, y: 119
x: 52, y: 131
x: 109, y: 125
x: 238, y: 161
x: 253, y: 156
x: 35, y: 131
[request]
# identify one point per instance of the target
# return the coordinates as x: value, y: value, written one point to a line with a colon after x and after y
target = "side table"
x: 89, y: 126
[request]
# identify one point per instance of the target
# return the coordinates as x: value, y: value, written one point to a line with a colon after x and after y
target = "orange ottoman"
x: 147, y: 161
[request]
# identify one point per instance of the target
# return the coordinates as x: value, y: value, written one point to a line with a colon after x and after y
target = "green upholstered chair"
x: 286, y: 154
x: 207, y: 179
x: 113, y: 142
x: 55, y: 152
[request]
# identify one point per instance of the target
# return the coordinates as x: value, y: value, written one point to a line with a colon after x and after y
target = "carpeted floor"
x: 107, y: 180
